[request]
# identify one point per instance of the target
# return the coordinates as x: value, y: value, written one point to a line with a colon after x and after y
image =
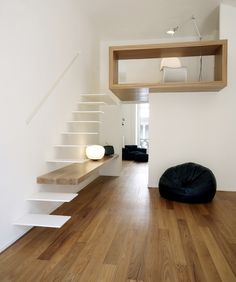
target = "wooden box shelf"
x: 139, y: 91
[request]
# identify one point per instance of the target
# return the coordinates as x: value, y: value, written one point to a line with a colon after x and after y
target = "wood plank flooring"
x: 122, y: 231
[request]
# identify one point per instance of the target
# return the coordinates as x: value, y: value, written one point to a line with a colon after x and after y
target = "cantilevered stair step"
x: 70, y: 146
x: 75, y: 173
x: 42, y: 220
x: 52, y: 197
x: 92, y: 103
x: 69, y: 161
x: 108, y: 99
x: 88, y: 112
x: 78, y: 132
x: 98, y: 97
x: 84, y: 121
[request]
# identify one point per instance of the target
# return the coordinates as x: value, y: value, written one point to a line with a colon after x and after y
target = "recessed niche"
x: 134, y: 71
x: 148, y: 70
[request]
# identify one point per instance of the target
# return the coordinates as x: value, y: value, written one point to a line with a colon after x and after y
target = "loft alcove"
x: 139, y: 91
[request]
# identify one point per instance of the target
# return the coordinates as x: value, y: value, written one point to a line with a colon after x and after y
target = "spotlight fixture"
x: 172, y: 31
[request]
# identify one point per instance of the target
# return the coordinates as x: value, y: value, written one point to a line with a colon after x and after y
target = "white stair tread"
x: 88, y: 112
x: 74, y: 132
x: 84, y: 121
x: 42, y: 220
x: 89, y: 95
x: 108, y: 99
x: 70, y: 146
x: 67, y: 161
x: 92, y: 103
x: 52, y: 197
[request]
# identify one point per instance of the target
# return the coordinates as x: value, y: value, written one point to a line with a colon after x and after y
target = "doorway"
x: 142, y: 125
x: 135, y: 132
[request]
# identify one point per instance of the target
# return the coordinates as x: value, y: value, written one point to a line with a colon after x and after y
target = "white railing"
x: 50, y: 90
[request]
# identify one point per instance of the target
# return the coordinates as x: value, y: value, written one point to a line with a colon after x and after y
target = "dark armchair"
x: 130, y: 151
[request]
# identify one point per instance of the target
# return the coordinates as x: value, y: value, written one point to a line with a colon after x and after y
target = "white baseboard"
x: 82, y: 185
x: 13, y: 240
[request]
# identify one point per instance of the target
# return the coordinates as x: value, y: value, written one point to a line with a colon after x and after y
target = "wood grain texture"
x: 140, y: 91
x: 75, y: 173
x: 176, y: 49
x: 122, y: 231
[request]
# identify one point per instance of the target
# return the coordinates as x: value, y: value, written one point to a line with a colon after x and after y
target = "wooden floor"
x: 122, y: 231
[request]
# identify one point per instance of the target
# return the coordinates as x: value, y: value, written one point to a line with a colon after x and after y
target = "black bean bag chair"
x: 188, y: 183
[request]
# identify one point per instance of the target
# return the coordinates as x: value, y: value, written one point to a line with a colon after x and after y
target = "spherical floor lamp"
x: 95, y: 152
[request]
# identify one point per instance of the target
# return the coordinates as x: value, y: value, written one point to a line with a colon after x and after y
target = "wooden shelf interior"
x: 140, y: 91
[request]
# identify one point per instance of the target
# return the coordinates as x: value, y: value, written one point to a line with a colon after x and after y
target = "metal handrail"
x: 51, y: 89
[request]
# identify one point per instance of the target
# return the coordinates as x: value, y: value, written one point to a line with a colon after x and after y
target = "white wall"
x: 110, y: 134
x: 128, y: 112
x: 38, y: 39
x: 148, y: 70
x: 198, y: 127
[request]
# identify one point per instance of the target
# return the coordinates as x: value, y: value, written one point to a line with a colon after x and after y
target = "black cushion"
x: 131, y: 147
x: 109, y: 150
x: 141, y: 150
x: 140, y: 157
x: 189, y: 183
x: 134, y: 148
x: 130, y: 151
x: 127, y: 155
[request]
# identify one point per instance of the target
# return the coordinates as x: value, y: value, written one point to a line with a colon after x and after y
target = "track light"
x: 172, y: 31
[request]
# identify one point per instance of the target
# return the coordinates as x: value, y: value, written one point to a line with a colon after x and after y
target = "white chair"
x: 172, y: 70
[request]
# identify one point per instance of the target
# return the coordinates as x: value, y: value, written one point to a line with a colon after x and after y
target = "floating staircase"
x: 82, y: 130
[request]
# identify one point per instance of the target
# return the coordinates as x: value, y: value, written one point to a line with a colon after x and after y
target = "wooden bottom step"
x: 75, y: 173
x: 67, y: 161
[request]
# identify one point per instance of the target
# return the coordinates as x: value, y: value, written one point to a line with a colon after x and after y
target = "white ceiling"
x: 149, y: 19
